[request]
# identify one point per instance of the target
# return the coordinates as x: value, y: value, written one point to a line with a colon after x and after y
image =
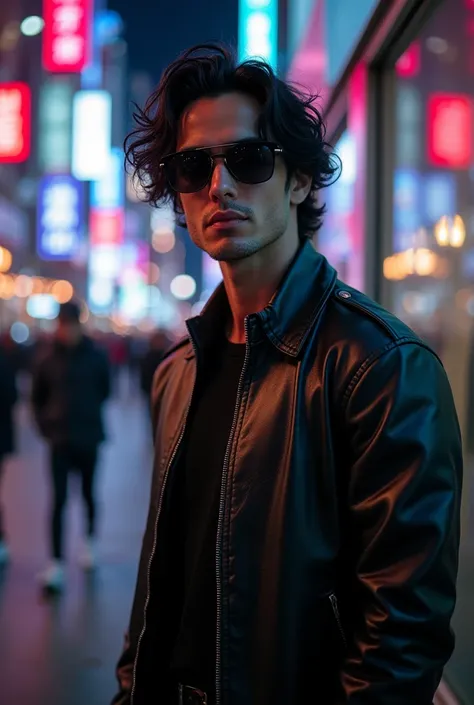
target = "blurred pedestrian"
x: 303, y: 533
x: 8, y: 397
x: 70, y: 384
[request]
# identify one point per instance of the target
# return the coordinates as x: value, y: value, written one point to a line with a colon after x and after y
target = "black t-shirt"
x: 196, y: 501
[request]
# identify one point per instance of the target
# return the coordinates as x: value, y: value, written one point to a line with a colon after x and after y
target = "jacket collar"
x: 290, y: 315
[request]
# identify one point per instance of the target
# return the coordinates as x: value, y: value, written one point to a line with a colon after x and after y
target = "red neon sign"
x: 106, y: 226
x: 450, y: 118
x: 409, y: 64
x: 66, y: 35
x: 15, y: 122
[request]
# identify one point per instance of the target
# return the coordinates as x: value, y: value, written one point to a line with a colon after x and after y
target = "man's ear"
x: 300, y: 186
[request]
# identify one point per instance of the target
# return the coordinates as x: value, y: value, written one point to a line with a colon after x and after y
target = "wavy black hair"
x: 289, y: 116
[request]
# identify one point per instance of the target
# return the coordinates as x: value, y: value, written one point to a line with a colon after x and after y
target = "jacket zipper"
x: 335, y: 609
x: 160, y: 504
x: 225, y: 470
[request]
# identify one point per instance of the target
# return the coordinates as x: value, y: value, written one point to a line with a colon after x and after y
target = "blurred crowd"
x: 66, y: 377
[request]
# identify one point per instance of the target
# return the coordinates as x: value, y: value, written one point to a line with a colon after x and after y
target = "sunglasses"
x: 248, y: 162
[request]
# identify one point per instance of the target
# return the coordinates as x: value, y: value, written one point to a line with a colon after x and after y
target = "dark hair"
x: 288, y: 116
x: 69, y: 312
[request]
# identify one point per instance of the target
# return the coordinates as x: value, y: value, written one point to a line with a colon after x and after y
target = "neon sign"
x: 66, y: 35
x: 258, y: 30
x: 15, y: 122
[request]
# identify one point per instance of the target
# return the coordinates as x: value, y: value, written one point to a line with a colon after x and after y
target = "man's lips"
x: 225, y: 217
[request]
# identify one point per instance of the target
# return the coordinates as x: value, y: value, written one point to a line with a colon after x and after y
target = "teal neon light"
x: 258, y: 30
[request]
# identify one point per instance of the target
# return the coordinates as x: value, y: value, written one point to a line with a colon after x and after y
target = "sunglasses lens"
x: 251, y: 163
x: 188, y: 172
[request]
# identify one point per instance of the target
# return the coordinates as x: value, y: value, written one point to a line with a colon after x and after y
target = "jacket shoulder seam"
x: 379, y: 353
x: 354, y: 303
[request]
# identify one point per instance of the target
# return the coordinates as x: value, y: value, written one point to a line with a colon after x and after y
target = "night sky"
x: 157, y: 31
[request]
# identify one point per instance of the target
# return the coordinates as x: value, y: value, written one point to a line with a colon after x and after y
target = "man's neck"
x: 250, y: 283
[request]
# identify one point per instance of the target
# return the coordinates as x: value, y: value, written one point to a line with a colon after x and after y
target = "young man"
x: 303, y: 529
x: 70, y: 385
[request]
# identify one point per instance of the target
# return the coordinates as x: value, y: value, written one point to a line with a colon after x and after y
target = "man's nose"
x: 223, y: 185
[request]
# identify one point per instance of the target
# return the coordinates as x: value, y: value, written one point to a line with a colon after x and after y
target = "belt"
x: 191, y: 696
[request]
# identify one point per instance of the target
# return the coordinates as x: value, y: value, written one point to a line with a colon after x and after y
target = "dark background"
x: 157, y: 31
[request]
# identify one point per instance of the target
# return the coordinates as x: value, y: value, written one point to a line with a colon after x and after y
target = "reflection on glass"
x: 336, y: 240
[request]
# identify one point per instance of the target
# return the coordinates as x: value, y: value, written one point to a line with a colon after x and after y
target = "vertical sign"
x: 91, y: 134
x: 109, y: 191
x: 15, y: 122
x: 55, y: 125
x: 66, y: 35
x: 60, y: 217
x: 258, y: 30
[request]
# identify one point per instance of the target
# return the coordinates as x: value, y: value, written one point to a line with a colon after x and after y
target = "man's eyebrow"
x: 244, y: 140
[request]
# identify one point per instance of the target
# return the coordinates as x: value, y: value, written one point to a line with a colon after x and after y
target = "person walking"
x: 71, y: 382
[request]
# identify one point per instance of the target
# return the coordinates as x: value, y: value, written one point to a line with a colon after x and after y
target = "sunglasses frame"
x: 274, y: 147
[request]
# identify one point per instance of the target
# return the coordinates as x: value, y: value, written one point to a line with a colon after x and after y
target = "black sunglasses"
x: 248, y: 162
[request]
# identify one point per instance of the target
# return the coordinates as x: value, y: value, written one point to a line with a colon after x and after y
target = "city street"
x: 63, y: 651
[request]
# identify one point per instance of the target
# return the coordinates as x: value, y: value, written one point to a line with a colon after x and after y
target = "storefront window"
x: 336, y: 239
x: 430, y: 266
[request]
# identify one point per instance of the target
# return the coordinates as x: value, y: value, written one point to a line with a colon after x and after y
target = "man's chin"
x: 233, y: 251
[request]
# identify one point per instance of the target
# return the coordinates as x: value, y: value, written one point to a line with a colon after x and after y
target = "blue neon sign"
x: 258, y: 30
x: 60, y: 217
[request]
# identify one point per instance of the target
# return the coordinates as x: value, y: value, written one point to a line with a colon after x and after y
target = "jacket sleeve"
x: 404, y: 494
x: 126, y: 663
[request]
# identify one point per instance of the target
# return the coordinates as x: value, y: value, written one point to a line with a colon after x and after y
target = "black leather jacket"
x: 338, y: 533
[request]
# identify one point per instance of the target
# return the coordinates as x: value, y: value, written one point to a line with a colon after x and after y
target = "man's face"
x: 265, y: 207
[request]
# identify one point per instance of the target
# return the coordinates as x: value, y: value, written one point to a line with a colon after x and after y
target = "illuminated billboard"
x: 60, y: 217
x: 15, y: 122
x: 91, y: 137
x: 258, y: 30
x: 66, y: 35
x: 109, y: 191
x: 55, y: 125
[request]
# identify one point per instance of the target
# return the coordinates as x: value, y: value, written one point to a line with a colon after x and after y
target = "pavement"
x: 63, y: 650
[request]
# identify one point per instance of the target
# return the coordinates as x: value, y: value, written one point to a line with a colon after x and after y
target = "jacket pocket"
x: 337, y: 617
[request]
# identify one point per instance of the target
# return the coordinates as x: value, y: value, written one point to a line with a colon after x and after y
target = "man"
x: 70, y: 385
x: 8, y: 398
x: 303, y: 530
